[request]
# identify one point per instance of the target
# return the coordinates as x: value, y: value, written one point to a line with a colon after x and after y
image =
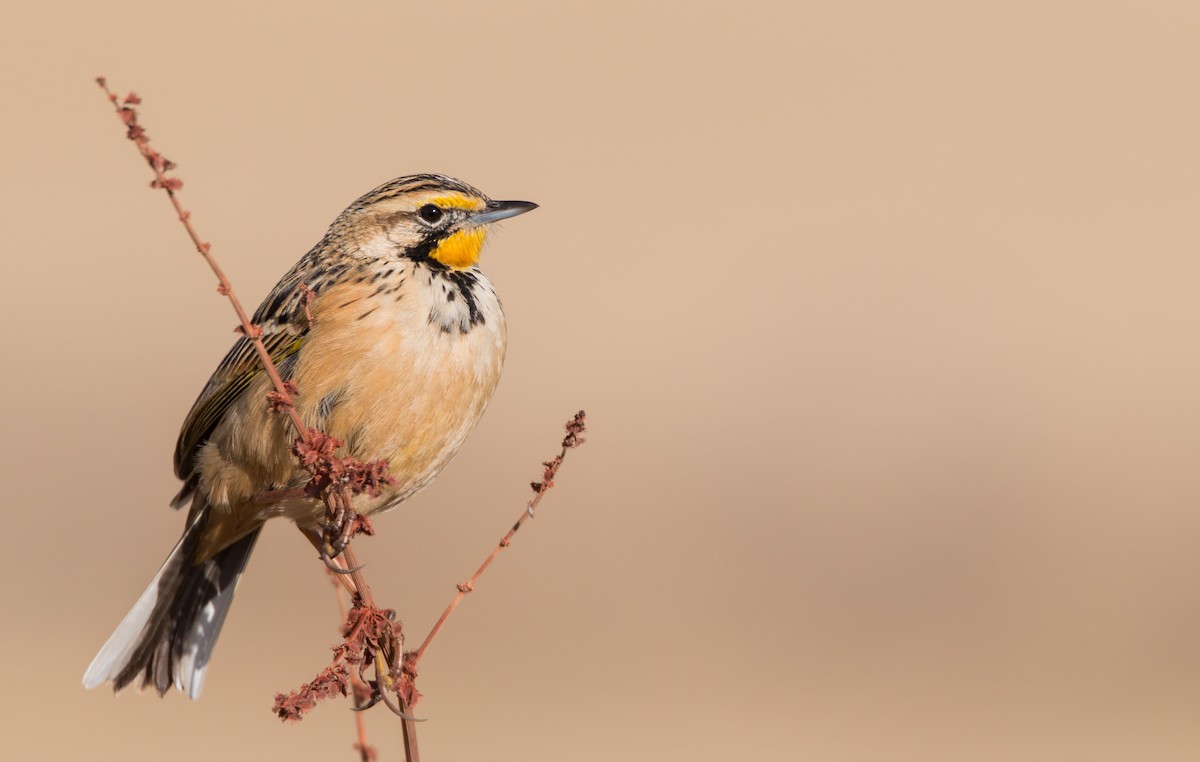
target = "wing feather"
x: 284, y: 324
x: 226, y: 386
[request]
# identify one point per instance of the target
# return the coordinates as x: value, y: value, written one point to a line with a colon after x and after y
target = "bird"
x: 394, y: 339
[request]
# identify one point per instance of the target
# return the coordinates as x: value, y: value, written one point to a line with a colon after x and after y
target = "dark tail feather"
x: 168, y: 636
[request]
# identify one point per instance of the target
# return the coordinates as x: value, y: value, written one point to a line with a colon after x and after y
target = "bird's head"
x: 427, y: 218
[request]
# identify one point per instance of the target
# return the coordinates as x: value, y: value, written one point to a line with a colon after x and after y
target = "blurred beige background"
x: 884, y: 315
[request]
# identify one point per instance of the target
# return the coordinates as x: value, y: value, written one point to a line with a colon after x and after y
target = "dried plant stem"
x: 575, y: 428
x: 359, y: 689
x: 356, y: 577
x: 252, y: 332
x: 411, y: 752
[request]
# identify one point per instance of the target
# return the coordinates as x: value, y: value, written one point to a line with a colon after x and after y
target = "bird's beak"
x: 502, y: 210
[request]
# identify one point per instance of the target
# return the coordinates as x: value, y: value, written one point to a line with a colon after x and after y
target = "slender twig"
x: 161, y: 165
x: 313, y: 445
x: 575, y: 428
x: 412, y: 754
x: 359, y: 691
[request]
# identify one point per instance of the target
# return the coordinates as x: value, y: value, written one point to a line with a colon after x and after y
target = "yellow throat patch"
x: 460, y: 250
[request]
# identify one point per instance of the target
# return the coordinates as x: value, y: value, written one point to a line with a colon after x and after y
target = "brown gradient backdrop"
x: 885, y: 318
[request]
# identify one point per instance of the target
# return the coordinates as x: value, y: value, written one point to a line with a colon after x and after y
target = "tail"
x: 168, y: 635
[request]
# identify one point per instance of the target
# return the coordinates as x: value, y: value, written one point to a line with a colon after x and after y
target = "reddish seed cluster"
x: 575, y: 428
x: 371, y: 635
x: 277, y: 402
x: 406, y: 685
x: 317, y: 453
x: 333, y: 681
x: 137, y: 134
x: 306, y: 298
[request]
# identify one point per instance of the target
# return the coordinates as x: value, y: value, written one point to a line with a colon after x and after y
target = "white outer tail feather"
x: 175, y: 623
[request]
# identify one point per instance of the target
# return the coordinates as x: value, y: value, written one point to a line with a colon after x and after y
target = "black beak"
x: 502, y: 210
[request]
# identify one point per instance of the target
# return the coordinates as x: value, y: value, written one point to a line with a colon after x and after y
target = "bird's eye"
x: 430, y: 213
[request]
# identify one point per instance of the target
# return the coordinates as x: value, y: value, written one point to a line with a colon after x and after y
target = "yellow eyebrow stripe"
x: 457, y: 201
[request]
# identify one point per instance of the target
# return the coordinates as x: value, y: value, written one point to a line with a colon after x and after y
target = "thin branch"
x: 161, y: 165
x: 360, y: 692
x: 314, y: 450
x: 575, y: 428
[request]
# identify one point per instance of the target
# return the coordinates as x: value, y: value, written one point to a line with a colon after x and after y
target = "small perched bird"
x: 395, y: 339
